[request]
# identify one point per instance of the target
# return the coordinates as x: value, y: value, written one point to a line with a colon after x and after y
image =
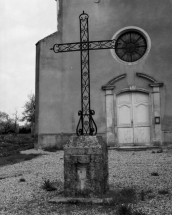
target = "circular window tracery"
x: 131, y: 45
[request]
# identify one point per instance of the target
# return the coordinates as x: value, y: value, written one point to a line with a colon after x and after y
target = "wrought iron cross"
x: 86, y: 124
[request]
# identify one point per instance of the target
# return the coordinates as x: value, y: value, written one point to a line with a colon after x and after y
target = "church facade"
x: 131, y: 89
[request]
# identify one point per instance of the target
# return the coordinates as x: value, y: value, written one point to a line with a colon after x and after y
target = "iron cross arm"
x: 84, y: 46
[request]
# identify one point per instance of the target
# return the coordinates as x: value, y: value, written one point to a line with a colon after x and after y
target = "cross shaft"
x: 86, y: 124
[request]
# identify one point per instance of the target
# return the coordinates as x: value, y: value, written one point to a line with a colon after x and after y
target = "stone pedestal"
x: 85, y: 167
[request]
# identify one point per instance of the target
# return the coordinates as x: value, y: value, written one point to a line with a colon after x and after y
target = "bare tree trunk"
x: 32, y: 129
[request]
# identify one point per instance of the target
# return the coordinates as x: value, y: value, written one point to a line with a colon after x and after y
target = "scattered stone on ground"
x: 126, y: 169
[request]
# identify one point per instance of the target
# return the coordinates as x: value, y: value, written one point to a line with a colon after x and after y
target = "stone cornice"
x: 156, y: 84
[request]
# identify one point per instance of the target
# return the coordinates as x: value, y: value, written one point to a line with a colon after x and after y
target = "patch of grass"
x: 11, y: 144
x: 139, y: 212
x: 51, y: 149
x: 129, y: 194
x: 151, y: 196
x: 154, y: 174
x: 60, y: 186
x: 124, y: 210
x: 147, y: 193
x: 30, y: 156
x: 163, y: 192
x: 127, y: 210
x: 48, y: 186
x: 160, y: 151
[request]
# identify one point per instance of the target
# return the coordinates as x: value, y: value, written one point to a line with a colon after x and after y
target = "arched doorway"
x: 133, y: 118
x: 133, y: 113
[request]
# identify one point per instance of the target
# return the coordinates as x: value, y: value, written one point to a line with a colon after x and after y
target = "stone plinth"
x: 85, y: 167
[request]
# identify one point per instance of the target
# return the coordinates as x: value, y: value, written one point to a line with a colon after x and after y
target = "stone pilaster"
x: 110, y: 116
x: 157, y: 133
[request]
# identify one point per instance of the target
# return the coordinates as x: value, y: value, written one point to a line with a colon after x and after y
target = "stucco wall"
x: 59, y: 74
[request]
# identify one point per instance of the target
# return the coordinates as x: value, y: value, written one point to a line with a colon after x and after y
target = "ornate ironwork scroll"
x: 86, y: 124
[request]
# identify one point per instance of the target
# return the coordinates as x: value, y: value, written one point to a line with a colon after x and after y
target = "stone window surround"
x: 111, y: 112
x: 125, y: 29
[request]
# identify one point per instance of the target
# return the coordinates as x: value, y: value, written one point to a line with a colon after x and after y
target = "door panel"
x: 133, y: 118
x: 141, y: 114
x: 124, y: 98
x: 142, y: 135
x: 141, y: 97
x: 125, y: 115
x: 125, y: 135
x: 141, y: 126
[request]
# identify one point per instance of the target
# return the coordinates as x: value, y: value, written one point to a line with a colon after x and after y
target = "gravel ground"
x: 126, y: 169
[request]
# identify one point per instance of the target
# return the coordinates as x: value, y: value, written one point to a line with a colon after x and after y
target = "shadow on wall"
x: 52, y: 142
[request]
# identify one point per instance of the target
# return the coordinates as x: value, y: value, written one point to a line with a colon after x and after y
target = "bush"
x: 48, y: 186
x: 24, y: 130
x: 6, y: 123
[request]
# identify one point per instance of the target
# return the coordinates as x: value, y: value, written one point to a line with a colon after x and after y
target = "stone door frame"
x: 111, y: 110
x: 130, y: 91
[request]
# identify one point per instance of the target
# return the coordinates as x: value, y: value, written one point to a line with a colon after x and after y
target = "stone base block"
x: 85, y: 167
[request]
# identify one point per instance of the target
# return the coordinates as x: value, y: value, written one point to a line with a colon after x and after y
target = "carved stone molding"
x: 148, y: 77
x: 110, y: 85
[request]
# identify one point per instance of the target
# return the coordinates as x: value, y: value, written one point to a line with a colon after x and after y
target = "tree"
x: 16, y: 118
x: 6, y: 123
x: 29, y: 110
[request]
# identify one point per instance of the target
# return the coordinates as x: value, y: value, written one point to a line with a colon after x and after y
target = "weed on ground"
x: 163, y: 192
x: 48, y: 186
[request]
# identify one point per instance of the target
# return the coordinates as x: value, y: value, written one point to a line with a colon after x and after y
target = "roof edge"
x: 50, y: 35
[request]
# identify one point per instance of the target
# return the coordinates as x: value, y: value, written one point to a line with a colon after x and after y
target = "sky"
x: 22, y: 24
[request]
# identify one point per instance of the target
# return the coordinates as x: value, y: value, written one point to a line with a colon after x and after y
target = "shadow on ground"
x: 16, y: 158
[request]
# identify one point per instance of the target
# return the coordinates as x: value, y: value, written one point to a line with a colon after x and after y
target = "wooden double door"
x: 133, y: 118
